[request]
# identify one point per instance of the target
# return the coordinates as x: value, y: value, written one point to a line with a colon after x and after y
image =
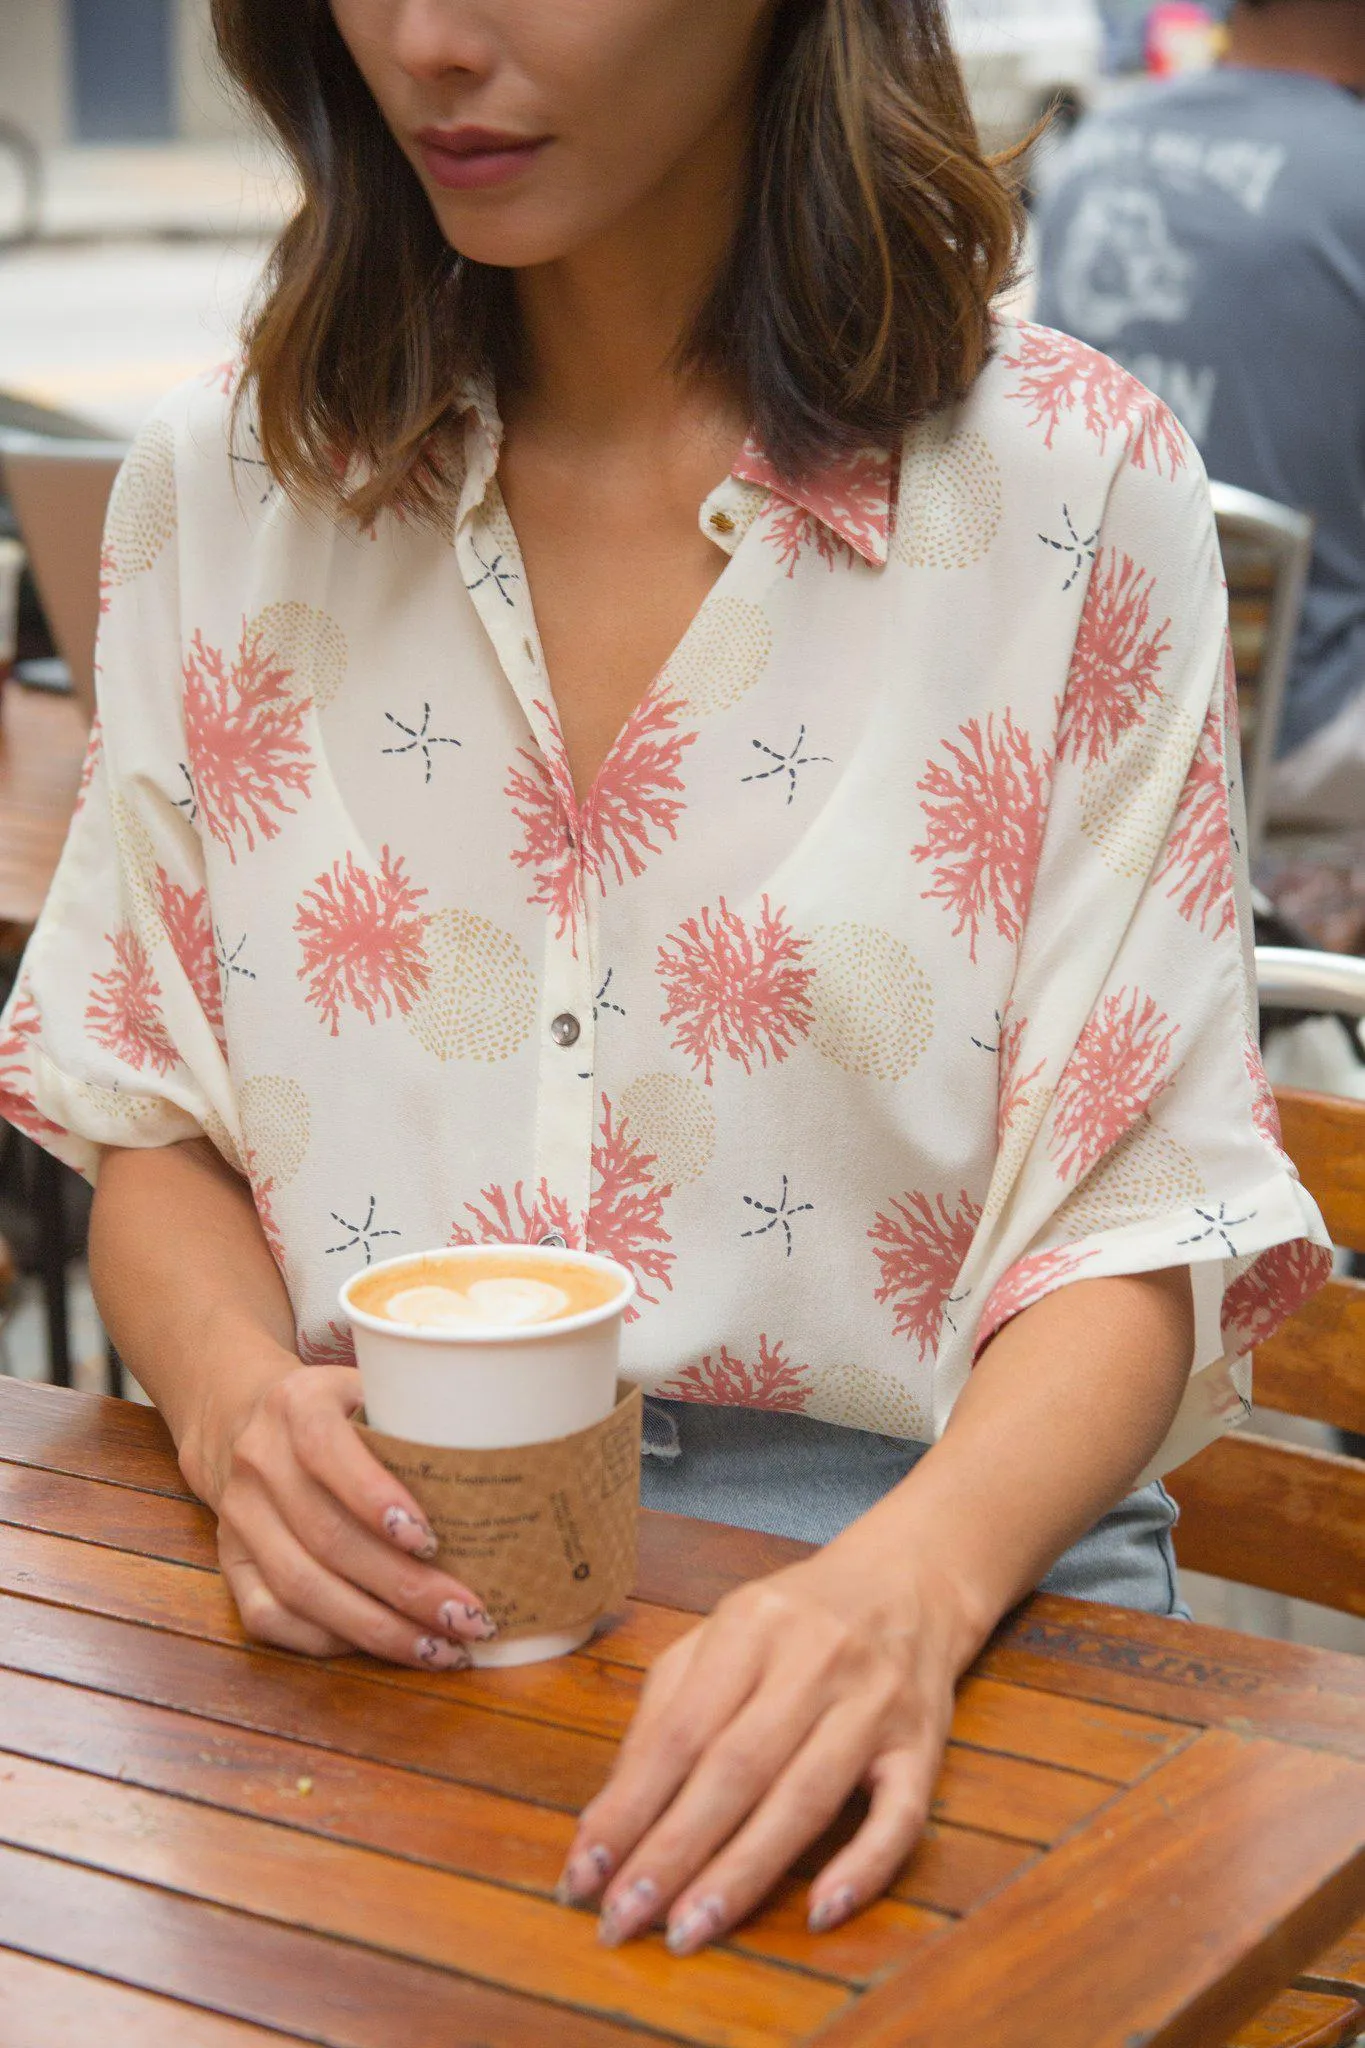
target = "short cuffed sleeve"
x: 114, y: 1032
x: 1137, y: 1131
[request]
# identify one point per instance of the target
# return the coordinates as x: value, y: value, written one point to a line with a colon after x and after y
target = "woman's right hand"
x: 323, y: 1550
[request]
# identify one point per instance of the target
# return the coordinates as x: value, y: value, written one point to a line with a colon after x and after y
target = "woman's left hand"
x: 751, y: 1733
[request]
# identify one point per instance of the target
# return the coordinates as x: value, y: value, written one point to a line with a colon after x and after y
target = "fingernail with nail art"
x: 460, y: 1619
x: 628, y: 1913
x: 699, y: 1924
x: 441, y: 1656
x: 409, y: 1534
x: 833, y: 1911
x: 585, y: 1873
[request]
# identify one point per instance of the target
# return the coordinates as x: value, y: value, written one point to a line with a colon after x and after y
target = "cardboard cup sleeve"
x: 545, y: 1533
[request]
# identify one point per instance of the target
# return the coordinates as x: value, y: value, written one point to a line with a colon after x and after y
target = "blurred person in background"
x: 1209, y: 233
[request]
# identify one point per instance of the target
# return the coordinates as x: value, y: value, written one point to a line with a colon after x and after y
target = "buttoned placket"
x: 566, y: 1092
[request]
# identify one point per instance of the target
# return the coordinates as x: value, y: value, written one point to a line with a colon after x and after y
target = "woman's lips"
x: 467, y: 159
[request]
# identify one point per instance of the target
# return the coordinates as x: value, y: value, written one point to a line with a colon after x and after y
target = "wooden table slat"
x: 1105, y: 1742
x: 46, y: 2005
x: 1180, y: 1869
x: 1305, y: 2019
x: 359, y: 1896
x: 368, y: 1805
x: 256, y: 1970
x: 91, y: 1436
x: 1026, y: 1801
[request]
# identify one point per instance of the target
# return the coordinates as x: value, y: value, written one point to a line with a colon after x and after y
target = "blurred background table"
x: 42, y: 745
x: 1143, y: 1829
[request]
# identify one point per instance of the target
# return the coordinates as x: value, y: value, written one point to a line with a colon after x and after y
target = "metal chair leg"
x: 51, y: 1213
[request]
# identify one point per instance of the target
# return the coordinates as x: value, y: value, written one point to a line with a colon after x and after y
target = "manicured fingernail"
x: 585, y: 1873
x: 441, y: 1656
x: 460, y: 1619
x: 698, y: 1925
x: 833, y: 1911
x: 630, y: 1912
x: 409, y: 1534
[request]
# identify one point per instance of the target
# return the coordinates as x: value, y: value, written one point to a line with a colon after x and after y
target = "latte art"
x: 484, y: 1291
x: 493, y: 1304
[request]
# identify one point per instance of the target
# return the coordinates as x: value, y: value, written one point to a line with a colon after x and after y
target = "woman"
x: 827, y: 905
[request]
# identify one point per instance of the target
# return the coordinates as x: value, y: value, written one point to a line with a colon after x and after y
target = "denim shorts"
x: 788, y: 1475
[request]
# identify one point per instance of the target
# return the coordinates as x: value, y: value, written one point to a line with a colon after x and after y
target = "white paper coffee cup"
x: 482, y: 1388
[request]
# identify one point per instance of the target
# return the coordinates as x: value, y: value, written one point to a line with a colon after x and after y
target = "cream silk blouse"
x: 893, y: 973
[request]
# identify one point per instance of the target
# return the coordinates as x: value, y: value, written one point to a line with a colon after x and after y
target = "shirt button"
x: 555, y: 1238
x: 566, y: 1030
x: 721, y: 522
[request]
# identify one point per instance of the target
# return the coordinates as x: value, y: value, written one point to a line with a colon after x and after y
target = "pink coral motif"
x: 122, y: 1013
x: 1279, y: 1284
x: 363, y: 940
x: 794, y: 532
x: 626, y: 1214
x: 518, y: 1217
x: 735, y: 989
x: 334, y: 1345
x: 263, y: 1194
x: 638, y: 793
x: 1118, y: 1068
x: 1265, y: 1112
x: 542, y: 798
x: 1024, y: 1284
x: 1197, y: 867
x: 985, y: 816
x: 1059, y: 375
x: 187, y: 924
x: 108, y: 577
x: 725, y: 1381
x: 223, y: 376
x: 843, y: 510
x: 94, y: 753
x: 1012, y: 1098
x: 1116, y: 661
x: 244, y: 731
x: 17, y: 1107
x: 921, y: 1248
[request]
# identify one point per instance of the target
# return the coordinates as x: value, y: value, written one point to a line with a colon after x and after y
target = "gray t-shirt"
x: 1209, y: 234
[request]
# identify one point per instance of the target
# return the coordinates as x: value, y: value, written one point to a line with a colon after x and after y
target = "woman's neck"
x: 603, y: 326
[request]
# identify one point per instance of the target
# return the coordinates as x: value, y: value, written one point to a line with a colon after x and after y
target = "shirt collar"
x: 851, y: 495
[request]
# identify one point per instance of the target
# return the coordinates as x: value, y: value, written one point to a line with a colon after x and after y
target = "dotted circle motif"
x: 138, y: 863
x: 722, y: 658
x: 671, y: 1119
x: 276, y: 1125
x: 1147, y: 1174
x: 873, y: 1002
x: 119, y: 1103
x: 218, y: 1134
x: 480, y: 1003
x: 951, y: 498
x: 142, y: 511
x: 309, y: 644
x: 1128, y: 805
x: 859, y: 1398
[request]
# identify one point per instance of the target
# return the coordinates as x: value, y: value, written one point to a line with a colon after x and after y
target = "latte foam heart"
x: 503, y: 1303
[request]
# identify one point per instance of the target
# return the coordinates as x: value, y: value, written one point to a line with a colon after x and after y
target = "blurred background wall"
x: 89, y: 71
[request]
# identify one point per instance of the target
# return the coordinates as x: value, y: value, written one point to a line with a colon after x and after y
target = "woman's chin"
x: 504, y: 238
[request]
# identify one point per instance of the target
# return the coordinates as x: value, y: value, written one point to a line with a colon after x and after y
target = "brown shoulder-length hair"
x: 855, y: 296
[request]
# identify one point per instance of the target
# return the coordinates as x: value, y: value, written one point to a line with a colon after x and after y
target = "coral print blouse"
x: 893, y: 973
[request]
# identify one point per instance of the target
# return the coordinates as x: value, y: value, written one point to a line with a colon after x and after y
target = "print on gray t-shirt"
x: 1210, y: 235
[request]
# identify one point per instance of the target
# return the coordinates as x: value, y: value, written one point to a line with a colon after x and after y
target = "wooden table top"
x: 1143, y: 1829
x: 42, y: 746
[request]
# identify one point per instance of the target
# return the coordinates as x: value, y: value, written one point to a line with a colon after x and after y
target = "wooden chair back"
x: 1267, y: 551
x: 1279, y: 1515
